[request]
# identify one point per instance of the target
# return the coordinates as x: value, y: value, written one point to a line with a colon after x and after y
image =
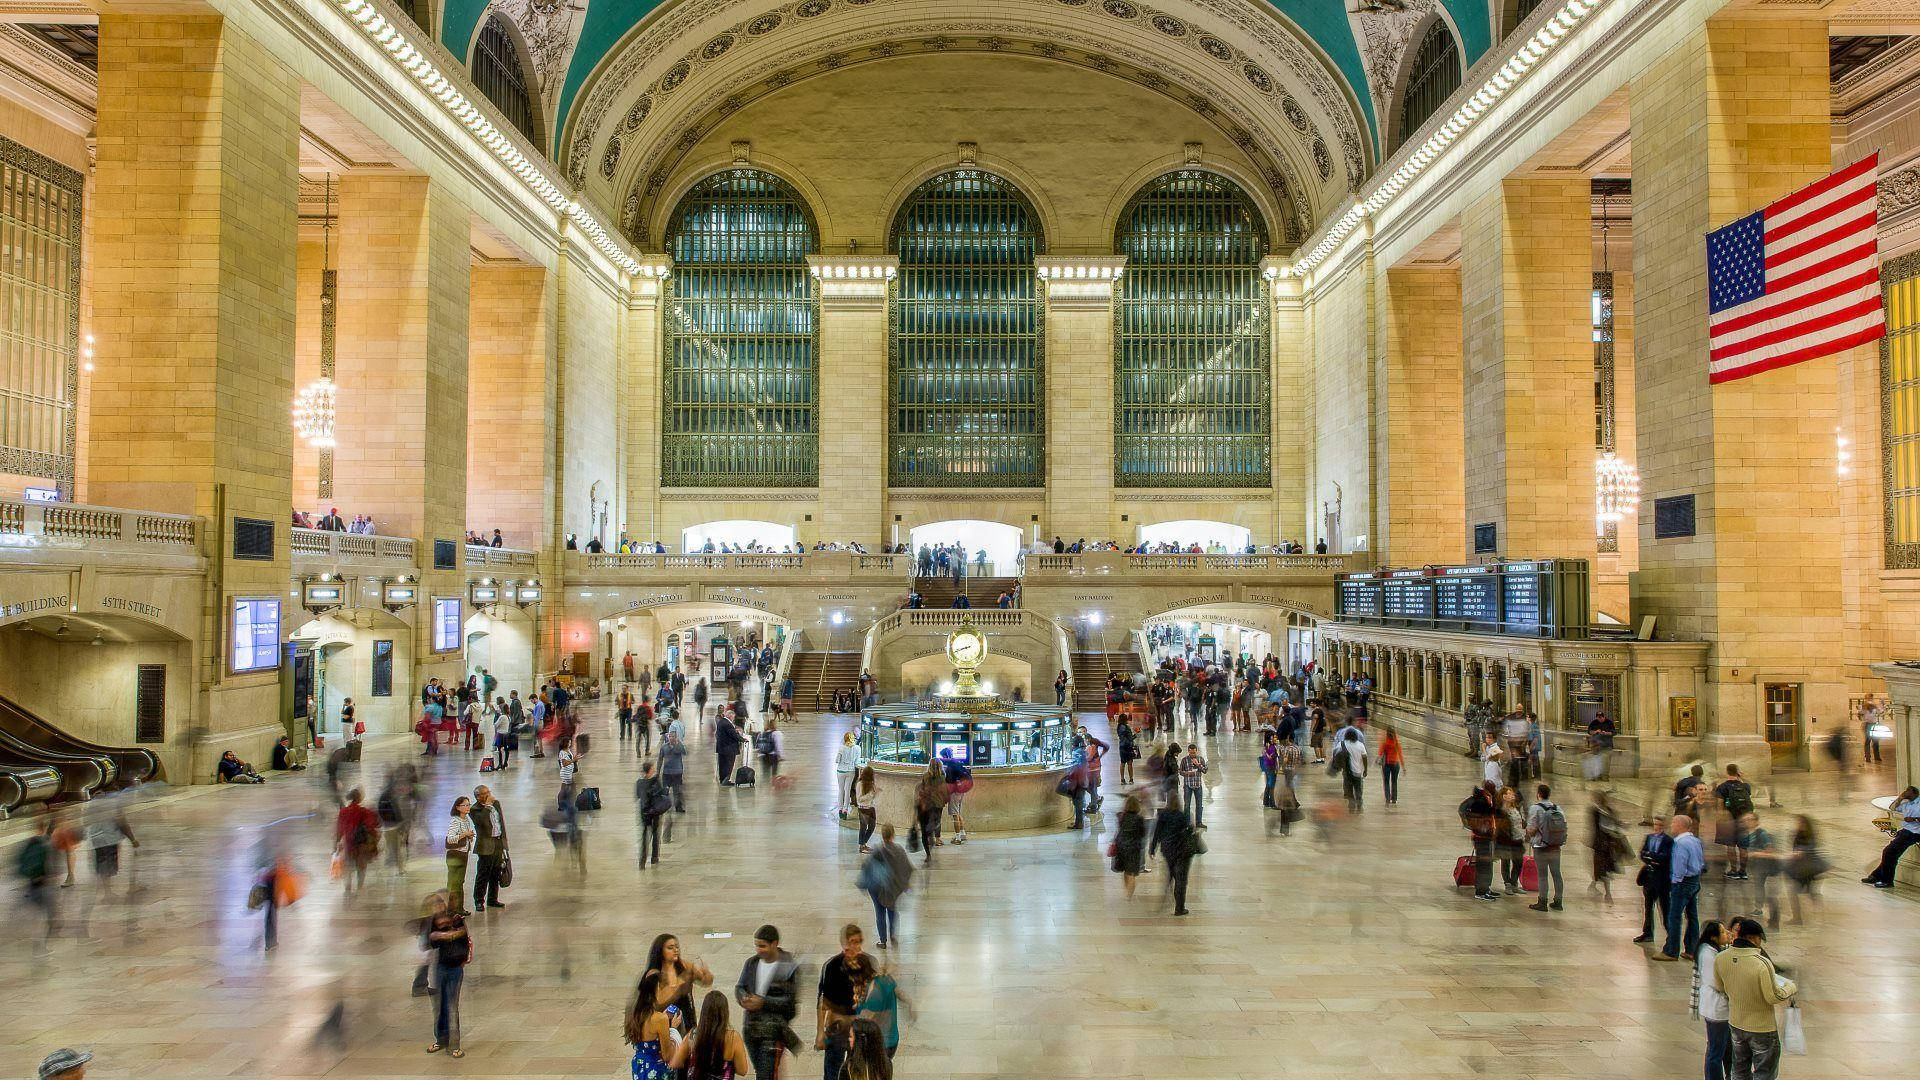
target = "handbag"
x: 1199, y: 844
x: 1793, y: 1037
x: 506, y: 870
x: 1113, y: 849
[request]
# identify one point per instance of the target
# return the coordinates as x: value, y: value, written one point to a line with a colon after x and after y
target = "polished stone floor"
x: 1339, y: 956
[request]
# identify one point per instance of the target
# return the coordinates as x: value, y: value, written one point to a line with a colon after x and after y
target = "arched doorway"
x: 1001, y: 543
x: 362, y: 655
x: 1218, y: 537
x: 108, y: 680
x: 499, y: 642
x: 737, y: 534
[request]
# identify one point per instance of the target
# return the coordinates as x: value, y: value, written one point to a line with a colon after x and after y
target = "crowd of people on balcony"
x: 331, y: 521
x: 1060, y: 546
x: 481, y: 539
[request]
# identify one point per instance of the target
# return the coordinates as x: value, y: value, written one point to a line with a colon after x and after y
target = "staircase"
x: 938, y: 592
x: 817, y: 675
x: 1091, y: 670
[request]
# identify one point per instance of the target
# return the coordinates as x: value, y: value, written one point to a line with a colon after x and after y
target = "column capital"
x: 853, y: 277
x: 650, y: 280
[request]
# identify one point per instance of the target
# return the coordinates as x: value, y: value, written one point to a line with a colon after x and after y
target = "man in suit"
x: 769, y: 991
x: 490, y: 844
x: 1656, y: 864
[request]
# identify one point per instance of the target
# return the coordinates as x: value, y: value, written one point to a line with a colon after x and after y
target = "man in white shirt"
x: 566, y: 775
x: 1353, y: 776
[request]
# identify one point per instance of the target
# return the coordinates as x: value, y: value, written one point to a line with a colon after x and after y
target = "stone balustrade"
x: 1117, y: 565
x: 321, y: 545
x: 68, y: 527
x: 743, y: 568
x: 482, y: 555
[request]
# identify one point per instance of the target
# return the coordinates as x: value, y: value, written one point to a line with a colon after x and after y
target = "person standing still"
x: 447, y: 935
x: 568, y: 765
x: 1753, y: 986
x: 1683, y: 893
x: 490, y: 843
x: 1656, y: 868
x: 1547, y: 834
x: 460, y: 836
x: 1193, y: 771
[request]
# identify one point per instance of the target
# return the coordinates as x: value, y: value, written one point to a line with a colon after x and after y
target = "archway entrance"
x: 362, y: 655
x: 107, y: 681
x: 1212, y: 536
x: 1001, y: 543
x: 736, y: 535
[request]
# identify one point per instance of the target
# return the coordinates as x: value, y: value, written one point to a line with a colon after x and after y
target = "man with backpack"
x: 655, y: 800
x: 1736, y: 796
x: 1547, y: 834
x: 34, y: 862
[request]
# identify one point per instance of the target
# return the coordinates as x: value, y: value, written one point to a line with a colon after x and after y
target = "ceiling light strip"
x: 532, y: 173
x: 1531, y: 53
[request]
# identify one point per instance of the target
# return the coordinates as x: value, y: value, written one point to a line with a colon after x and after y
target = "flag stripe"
x: 1861, y: 336
x: 1866, y: 165
x: 1825, y: 266
x: 1841, y: 202
x: 1800, y: 328
x: 1851, y: 226
x: 1762, y: 311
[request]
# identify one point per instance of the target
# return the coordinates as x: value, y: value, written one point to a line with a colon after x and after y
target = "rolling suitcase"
x: 1463, y: 872
x: 743, y: 776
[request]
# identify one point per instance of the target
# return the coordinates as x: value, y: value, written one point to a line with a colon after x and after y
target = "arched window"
x: 1432, y: 76
x: 741, y: 375
x: 1191, y: 337
x: 420, y: 11
x: 964, y: 348
x: 498, y: 73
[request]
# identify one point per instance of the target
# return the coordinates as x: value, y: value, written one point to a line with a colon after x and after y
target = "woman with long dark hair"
x: 863, y: 796
x: 677, y: 978
x: 647, y: 1026
x: 928, y: 800
x: 714, y: 1051
x: 867, y: 1054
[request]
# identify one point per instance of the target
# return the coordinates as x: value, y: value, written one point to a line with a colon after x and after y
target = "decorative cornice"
x: 782, y: 495
x: 1068, y: 268
x: 899, y: 495
x: 69, y: 91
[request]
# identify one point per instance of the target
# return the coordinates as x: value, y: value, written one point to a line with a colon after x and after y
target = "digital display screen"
x: 1408, y: 598
x: 1360, y: 596
x: 1468, y: 598
x: 446, y: 624
x: 256, y: 635
x: 1520, y: 596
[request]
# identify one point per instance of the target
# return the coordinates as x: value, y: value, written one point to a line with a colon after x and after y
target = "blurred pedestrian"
x: 768, y: 991
x: 654, y: 802
x: 1176, y: 842
x: 885, y: 876
x: 452, y: 950
x: 356, y: 841
x: 1130, y: 844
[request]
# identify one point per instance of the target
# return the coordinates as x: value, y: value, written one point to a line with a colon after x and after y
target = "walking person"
x: 1510, y: 839
x: 1688, y: 863
x: 452, y: 949
x: 356, y: 840
x: 654, y: 799
x: 1656, y: 867
x: 959, y: 781
x: 929, y: 798
x: 504, y: 739
x: 1269, y: 768
x: 885, y: 876
x: 1176, y: 841
x: 846, y: 764
x: 460, y: 837
x: 1392, y: 759
x: 1710, y: 1005
x: 772, y: 747
x: 1130, y: 844
x: 883, y: 1002
x: 726, y: 747
x: 1547, y: 833
x: 864, y: 796
x: 1477, y: 812
x: 1129, y: 748
x: 490, y: 843
x: 1350, y: 759
x: 1736, y: 802
x: 1753, y: 986
x: 1603, y: 836
x: 1060, y: 687
x: 768, y: 991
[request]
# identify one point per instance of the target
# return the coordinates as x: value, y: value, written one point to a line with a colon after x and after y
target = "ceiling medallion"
x: 1120, y: 9
x: 1170, y: 26
x: 813, y: 9
x: 764, y: 24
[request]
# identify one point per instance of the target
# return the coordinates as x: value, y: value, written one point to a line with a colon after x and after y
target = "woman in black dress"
x: 1130, y: 844
x: 1129, y: 748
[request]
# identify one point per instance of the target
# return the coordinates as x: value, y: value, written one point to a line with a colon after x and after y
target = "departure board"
x: 1468, y: 594
x: 1408, y: 595
x: 1360, y: 594
x: 1540, y: 598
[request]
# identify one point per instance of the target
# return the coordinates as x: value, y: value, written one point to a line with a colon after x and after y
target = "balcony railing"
x: 76, y: 525
x: 1119, y: 563
x: 482, y: 555
x: 323, y: 544
x: 797, y: 567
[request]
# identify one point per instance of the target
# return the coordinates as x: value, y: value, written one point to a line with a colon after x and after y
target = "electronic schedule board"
x: 1539, y: 598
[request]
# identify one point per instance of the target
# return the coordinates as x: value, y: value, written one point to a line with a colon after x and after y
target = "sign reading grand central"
x: 1543, y: 598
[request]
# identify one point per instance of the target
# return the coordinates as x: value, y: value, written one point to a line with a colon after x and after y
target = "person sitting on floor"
x: 234, y: 771
x: 283, y: 756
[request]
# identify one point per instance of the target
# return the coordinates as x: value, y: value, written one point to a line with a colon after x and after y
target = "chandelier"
x: 1616, y: 487
x: 313, y: 410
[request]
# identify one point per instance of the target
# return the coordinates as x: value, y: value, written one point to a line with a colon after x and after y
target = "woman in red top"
x: 356, y: 839
x: 1391, y: 759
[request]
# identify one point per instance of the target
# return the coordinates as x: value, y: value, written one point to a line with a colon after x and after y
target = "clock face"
x: 966, y: 648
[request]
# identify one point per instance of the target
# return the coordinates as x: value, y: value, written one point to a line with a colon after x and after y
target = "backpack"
x: 32, y: 859
x: 388, y: 809
x: 1739, y: 797
x: 763, y: 744
x: 1553, y: 825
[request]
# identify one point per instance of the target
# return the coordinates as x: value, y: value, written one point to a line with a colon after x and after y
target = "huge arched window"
x: 964, y: 349
x: 499, y: 74
x: 741, y: 374
x: 1191, y: 337
x: 1432, y: 76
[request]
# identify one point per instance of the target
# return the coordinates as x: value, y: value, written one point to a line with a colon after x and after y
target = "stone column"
x: 853, y: 396
x: 510, y: 403
x: 1903, y: 715
x: 1290, y: 420
x: 1423, y: 478
x: 405, y: 256
x: 1079, y: 364
x: 642, y: 343
x: 1731, y: 118
x: 1526, y: 284
x: 194, y: 228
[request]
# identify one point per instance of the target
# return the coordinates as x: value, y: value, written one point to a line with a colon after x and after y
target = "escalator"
x: 30, y: 747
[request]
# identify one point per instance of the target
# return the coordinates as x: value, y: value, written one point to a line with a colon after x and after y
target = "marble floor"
x: 1346, y: 956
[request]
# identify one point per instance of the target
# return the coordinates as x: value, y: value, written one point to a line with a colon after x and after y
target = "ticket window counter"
x: 977, y: 743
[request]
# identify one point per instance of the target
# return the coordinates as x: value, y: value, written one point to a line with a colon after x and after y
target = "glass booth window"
x: 1193, y: 370
x: 741, y: 373
x: 39, y: 315
x: 964, y: 345
x: 1900, y: 411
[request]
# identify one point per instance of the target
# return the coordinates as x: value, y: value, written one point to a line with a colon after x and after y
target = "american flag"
x: 1797, y: 280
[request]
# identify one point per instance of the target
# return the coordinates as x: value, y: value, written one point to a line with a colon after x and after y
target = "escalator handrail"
x: 19, y: 714
x: 15, y: 750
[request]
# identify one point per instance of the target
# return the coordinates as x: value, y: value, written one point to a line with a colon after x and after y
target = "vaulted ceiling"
x: 1304, y: 87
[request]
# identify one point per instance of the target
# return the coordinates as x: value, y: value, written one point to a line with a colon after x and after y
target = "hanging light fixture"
x: 313, y: 412
x: 314, y: 407
x: 1616, y: 487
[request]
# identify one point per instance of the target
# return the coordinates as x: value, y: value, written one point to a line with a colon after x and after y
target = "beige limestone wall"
x: 509, y: 403
x: 40, y: 674
x: 1339, y: 316
x: 42, y: 135
x: 1079, y: 397
x: 590, y: 487
x: 853, y: 429
x: 1732, y: 117
x: 1526, y: 282
x: 1423, y: 519
x: 1291, y: 417
x: 640, y: 345
x: 195, y: 227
